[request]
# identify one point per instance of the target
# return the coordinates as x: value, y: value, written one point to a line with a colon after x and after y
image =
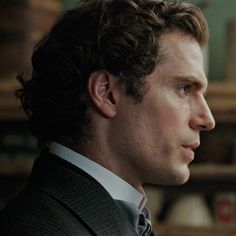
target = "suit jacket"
x: 62, y: 200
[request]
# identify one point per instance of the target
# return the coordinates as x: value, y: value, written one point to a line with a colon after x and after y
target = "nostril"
x: 203, y: 127
x: 208, y: 126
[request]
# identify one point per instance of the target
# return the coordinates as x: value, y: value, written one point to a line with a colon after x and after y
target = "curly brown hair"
x: 121, y: 37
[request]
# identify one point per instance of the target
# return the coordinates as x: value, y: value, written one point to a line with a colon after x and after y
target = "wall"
x: 218, y: 13
x: 69, y: 3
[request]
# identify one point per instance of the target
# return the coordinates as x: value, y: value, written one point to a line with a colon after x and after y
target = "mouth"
x: 189, y: 150
x: 193, y: 146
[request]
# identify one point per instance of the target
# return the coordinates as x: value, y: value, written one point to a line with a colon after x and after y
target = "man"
x: 116, y: 100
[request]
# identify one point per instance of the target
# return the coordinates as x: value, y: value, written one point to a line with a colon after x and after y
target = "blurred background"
x: 206, y: 205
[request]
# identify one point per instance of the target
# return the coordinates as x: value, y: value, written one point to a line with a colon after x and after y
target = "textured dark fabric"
x: 139, y: 219
x: 144, y: 226
x: 62, y: 200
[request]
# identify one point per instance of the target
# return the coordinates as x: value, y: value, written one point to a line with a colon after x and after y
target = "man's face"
x: 155, y: 139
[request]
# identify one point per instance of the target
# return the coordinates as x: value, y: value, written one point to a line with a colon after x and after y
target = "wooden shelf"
x: 207, y: 179
x: 214, y: 172
x: 221, y: 98
x: 215, y: 230
x: 204, y: 178
x: 15, y: 168
x: 199, y: 172
x: 9, y: 104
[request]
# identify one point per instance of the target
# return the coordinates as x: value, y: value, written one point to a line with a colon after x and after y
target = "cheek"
x: 172, y: 127
x: 174, y: 112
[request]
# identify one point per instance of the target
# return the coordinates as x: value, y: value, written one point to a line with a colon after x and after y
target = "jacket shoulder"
x: 37, y: 213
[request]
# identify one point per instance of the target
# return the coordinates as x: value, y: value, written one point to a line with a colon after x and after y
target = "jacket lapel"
x: 81, y: 194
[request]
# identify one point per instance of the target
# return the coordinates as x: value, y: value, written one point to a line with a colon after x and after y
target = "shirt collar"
x: 114, y: 185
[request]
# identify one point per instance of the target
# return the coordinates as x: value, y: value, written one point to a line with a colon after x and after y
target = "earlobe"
x: 101, y: 88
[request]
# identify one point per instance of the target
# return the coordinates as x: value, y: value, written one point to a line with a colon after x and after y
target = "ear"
x: 102, y: 88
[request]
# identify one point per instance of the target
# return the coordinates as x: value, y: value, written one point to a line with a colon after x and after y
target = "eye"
x: 184, y: 89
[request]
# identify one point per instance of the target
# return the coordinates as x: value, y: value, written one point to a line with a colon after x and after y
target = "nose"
x: 202, y: 118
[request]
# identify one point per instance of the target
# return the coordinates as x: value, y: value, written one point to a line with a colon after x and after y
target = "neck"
x: 102, y: 155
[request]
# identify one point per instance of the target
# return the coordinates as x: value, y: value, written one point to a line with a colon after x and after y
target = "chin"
x: 171, y: 180
x: 178, y: 176
x: 182, y: 181
x: 182, y: 177
x: 171, y: 176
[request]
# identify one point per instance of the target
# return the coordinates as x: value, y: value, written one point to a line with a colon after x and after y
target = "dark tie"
x: 139, y: 219
x: 144, y: 224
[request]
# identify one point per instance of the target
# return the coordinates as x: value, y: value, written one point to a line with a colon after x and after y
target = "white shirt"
x: 114, y: 185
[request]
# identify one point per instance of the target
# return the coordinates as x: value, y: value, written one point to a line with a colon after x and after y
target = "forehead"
x: 176, y: 43
x: 181, y: 58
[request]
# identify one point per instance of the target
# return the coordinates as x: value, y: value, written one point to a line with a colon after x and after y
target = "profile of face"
x: 156, y: 138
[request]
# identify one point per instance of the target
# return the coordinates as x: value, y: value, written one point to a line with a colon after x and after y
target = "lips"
x: 193, y: 146
x: 189, y: 150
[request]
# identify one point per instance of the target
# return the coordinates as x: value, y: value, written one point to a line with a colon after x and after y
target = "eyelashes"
x: 185, y: 89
